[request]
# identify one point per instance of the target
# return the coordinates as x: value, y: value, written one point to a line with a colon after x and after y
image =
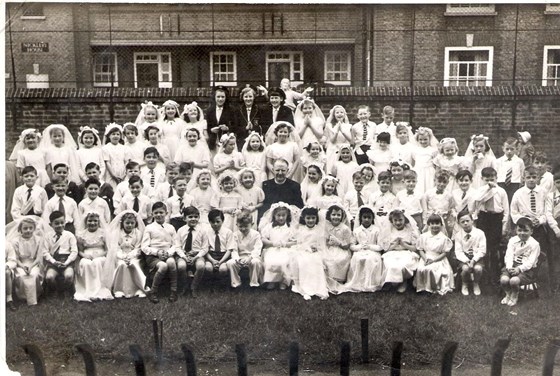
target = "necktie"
x: 29, y: 194
x: 411, y: 193
x: 360, y: 201
x: 56, y: 239
x: 508, y: 176
x: 61, y: 207
x: 463, y: 195
x: 188, y: 242
x: 556, y: 200
x: 136, y: 205
x: 365, y: 132
x: 170, y: 191
x: 439, y: 192
x: 533, y: 201
x: 467, y: 237
x: 181, y: 206
x: 217, y: 245
x: 152, y: 178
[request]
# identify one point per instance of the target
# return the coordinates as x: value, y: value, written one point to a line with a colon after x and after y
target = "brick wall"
x: 450, y: 112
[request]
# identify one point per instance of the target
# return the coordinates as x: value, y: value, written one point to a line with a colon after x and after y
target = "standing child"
x: 344, y: 167
x: 397, y: 169
x: 278, y: 238
x: 464, y: 196
x: 387, y: 124
x: 59, y: 252
x: 252, y: 196
x: 306, y: 266
x: 106, y: 192
x: 383, y: 200
x: 228, y: 201
x: 221, y: 244
x: 309, y: 122
x: 203, y: 194
x: 115, y: 155
x: 520, y: 261
x: 311, y: 184
x: 510, y: 168
x: 381, y: 156
x: 398, y: 240
x: 74, y: 191
x: 92, y: 249
x: 545, y: 179
x: 152, y: 134
x: 194, y: 151
x: 29, y: 198
x: 337, y: 132
x: 478, y: 156
x: 194, y: 118
x: 136, y: 201
x: 313, y: 154
x: 59, y: 147
x: 132, y: 169
x: 291, y: 95
x: 366, y: 267
x: 162, y: 258
x: 449, y: 160
x: 23, y: 250
x: 525, y: 149
x: 134, y: 145
x: 93, y: 203
x: 283, y: 143
x: 89, y: 150
x: 153, y: 172
x: 470, y: 249
x: 423, y: 157
x: 328, y: 196
x: 228, y: 158
x: 247, y: 254
x: 253, y: 153
x: 552, y: 211
x: 434, y: 273
x: 165, y: 189
x: 363, y: 134
x: 148, y: 115
x: 27, y: 153
x: 354, y: 198
x: 336, y: 255
x: 124, y: 240
x: 193, y: 241
x: 171, y: 126
x: 64, y: 204
x: 440, y: 202
x: 403, y: 148
x: 409, y: 200
x: 370, y: 180
x: 178, y: 202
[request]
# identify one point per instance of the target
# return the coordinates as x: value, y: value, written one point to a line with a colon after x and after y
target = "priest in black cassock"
x: 280, y: 188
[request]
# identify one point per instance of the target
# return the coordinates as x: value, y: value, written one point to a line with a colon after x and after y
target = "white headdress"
x: 108, y: 129
x: 474, y: 139
x: 68, y: 139
x: 20, y: 144
x: 190, y: 106
x: 425, y: 130
x: 332, y: 119
x: 95, y: 134
x: 267, y: 216
x: 169, y: 103
x: 140, y: 118
x: 42, y: 229
x: 271, y: 137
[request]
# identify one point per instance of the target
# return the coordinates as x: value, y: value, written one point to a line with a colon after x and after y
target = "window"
x: 337, y: 67
x: 152, y: 69
x: 223, y: 68
x: 551, y: 66
x: 470, y: 66
x: 552, y: 9
x: 105, y: 64
x: 33, y: 11
x: 470, y: 10
x: 284, y: 64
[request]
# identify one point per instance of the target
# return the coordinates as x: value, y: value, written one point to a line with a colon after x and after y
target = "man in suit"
x: 280, y: 188
x: 275, y: 110
x: 219, y: 116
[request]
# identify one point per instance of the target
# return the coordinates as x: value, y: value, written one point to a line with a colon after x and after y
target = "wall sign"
x: 34, y: 47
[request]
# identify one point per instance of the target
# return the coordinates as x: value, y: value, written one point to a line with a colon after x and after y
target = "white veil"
x: 20, y: 144
x: 46, y: 142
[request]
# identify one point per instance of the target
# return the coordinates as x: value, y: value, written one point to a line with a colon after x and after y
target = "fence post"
x: 549, y: 355
x: 158, y: 338
x: 396, y: 358
x: 34, y: 352
x: 241, y: 360
x: 447, y: 359
x: 345, y: 358
x: 189, y: 358
x: 89, y: 360
x: 293, y: 358
x: 498, y: 356
x: 365, y: 340
x: 139, y: 366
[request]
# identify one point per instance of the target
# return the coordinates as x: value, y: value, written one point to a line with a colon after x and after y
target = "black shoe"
x: 173, y: 297
x: 194, y: 293
x: 11, y: 306
x: 153, y: 297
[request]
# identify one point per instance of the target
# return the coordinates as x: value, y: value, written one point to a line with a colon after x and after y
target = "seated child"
x: 383, y: 200
x: 520, y: 261
x: 63, y: 204
x: 136, y: 201
x: 153, y: 173
x: 221, y: 243
x: 106, y: 191
x: 470, y: 249
x: 409, y: 199
x: 227, y: 200
x: 439, y: 201
x: 93, y: 203
x: 73, y: 191
x: 247, y: 254
x: 354, y: 198
x: 178, y: 202
x: 336, y: 255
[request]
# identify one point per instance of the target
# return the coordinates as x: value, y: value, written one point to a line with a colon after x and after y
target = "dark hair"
x: 158, y: 205
x: 281, y: 125
x: 316, y: 168
x: 462, y: 213
x: 363, y: 211
x: 92, y: 165
x: 261, y: 146
x: 58, y: 179
x: 245, y: 218
x: 92, y: 181
x: 135, y: 179
x: 308, y: 211
x: 128, y: 216
x: 397, y: 213
x: 111, y: 131
x: 128, y: 126
x: 185, y: 167
x: 193, y: 130
x: 488, y: 172
x: 81, y: 140
x: 524, y: 223
x: 511, y: 141
x: 28, y: 169
x: 59, y: 165
x: 171, y: 166
x: 404, y: 166
x: 434, y: 218
x: 148, y: 129
x: 531, y: 170
x: 540, y: 156
x: 333, y: 208
x: 55, y: 215
x: 151, y: 150
x: 357, y: 175
x: 384, y: 175
x: 288, y: 217
x: 462, y: 173
x: 409, y: 174
x: 384, y: 136
x: 215, y: 213
x: 442, y: 175
x: 190, y: 210
x: 132, y: 164
x: 308, y: 146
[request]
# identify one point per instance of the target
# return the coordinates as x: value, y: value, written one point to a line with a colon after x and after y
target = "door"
x: 277, y: 71
x: 147, y: 75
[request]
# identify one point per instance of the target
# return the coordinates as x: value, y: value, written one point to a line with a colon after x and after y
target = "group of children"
x: 173, y: 197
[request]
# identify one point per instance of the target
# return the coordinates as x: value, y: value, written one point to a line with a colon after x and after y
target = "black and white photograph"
x: 276, y: 188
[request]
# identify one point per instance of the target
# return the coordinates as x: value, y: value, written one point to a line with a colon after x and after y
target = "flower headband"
x: 328, y: 178
x: 190, y: 106
x: 112, y: 126
x: 88, y: 129
x: 422, y: 130
x: 280, y: 204
x: 226, y: 137
x: 228, y: 174
x: 253, y: 134
x: 148, y: 104
x: 479, y: 137
x: 169, y: 102
x: 398, y: 162
x: 27, y: 131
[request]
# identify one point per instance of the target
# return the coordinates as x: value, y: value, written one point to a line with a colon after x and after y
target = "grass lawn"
x: 267, y: 321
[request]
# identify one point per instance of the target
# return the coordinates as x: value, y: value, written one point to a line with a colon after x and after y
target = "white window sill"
x: 33, y: 17
x: 470, y: 14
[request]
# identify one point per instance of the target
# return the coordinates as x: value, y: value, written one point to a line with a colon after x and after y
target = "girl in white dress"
x: 337, y: 255
x: 152, y: 134
x: 286, y: 146
x: 148, y: 115
x: 370, y: 181
x: 122, y: 269
x: 193, y: 151
x: 344, y: 167
x: 311, y: 187
x: 328, y: 196
x: 89, y: 150
x: 278, y: 236
x: 366, y: 267
x: 403, y: 146
x: 134, y: 145
x: 381, y: 154
x: 449, y: 160
x: 398, y: 239
x: 27, y: 153
x: 92, y: 249
x: 24, y: 250
x: 337, y: 132
x: 228, y: 157
x: 59, y: 147
x: 253, y: 153
x: 479, y: 155
x: 423, y: 158
x: 252, y: 195
x: 202, y: 193
x: 434, y: 273
x: 171, y: 125
x: 228, y: 200
x: 313, y: 154
x: 115, y: 155
x: 306, y: 266
x: 397, y: 169
x: 193, y: 117
x: 309, y: 122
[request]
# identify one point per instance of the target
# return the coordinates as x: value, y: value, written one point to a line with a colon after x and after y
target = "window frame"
x: 223, y: 83
x: 553, y: 8
x: 34, y: 17
x: 545, y: 78
x: 161, y: 71
x: 115, y: 71
x: 489, y: 70
x: 291, y: 60
x: 348, y: 72
x: 470, y: 9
